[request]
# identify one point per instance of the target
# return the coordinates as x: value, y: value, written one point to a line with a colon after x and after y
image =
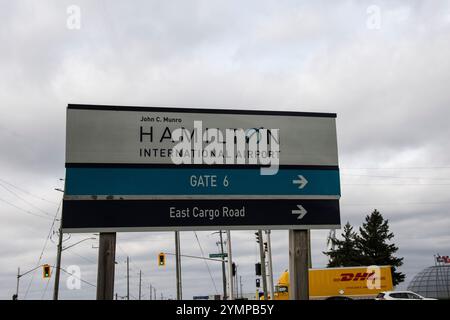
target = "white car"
x: 400, y: 295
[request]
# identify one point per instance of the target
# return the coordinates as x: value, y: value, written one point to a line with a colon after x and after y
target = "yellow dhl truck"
x: 352, y: 282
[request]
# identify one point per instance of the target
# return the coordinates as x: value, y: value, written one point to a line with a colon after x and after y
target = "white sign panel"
x: 127, y: 135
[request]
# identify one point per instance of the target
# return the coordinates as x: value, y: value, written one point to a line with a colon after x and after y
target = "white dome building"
x: 432, y: 282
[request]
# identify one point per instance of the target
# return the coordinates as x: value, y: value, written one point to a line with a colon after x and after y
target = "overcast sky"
x: 382, y: 66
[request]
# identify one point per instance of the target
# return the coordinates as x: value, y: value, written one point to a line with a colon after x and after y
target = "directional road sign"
x: 218, y: 255
x: 120, y: 175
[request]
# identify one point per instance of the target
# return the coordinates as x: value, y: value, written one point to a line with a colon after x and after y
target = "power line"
x: 27, y: 192
x: 84, y: 281
x: 82, y: 257
x: 394, y: 177
x: 138, y: 268
x: 396, y: 184
x: 45, y: 246
x: 24, y: 200
x: 206, y: 262
x: 397, y: 168
x: 45, y: 290
x: 394, y: 204
x: 25, y: 210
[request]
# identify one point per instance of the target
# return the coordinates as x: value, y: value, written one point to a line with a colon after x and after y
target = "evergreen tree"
x: 374, y: 247
x: 345, y: 252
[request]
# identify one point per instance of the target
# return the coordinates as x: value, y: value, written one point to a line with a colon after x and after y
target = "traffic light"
x: 46, y: 272
x: 265, y: 247
x: 234, y: 269
x: 161, y: 259
x: 257, y: 237
x: 258, y: 269
x: 258, y: 283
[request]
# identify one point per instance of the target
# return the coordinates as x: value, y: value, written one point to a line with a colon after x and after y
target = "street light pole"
x: 263, y: 262
x: 60, y: 249
x: 16, y: 296
x: 178, y: 266
x: 224, y: 276
x: 230, y: 267
x: 58, y: 256
x: 269, y: 263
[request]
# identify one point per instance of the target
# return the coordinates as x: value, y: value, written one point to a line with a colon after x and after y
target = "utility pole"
x: 58, y: 254
x: 150, y: 295
x: 236, y: 280
x: 230, y: 266
x: 106, y: 266
x: 298, y: 265
x: 269, y: 264
x: 17, y: 287
x: 332, y: 239
x: 263, y: 263
x: 240, y: 282
x: 224, y: 276
x: 154, y: 289
x: 140, y: 283
x: 128, y: 278
x: 16, y: 295
x: 58, y: 262
x: 178, y: 265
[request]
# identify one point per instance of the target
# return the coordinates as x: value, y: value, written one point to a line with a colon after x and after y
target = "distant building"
x: 432, y: 282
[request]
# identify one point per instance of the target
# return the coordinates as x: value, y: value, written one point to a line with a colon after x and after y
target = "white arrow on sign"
x: 301, y: 182
x: 300, y: 211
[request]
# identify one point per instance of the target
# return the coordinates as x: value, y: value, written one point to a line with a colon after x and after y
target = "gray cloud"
x: 388, y: 86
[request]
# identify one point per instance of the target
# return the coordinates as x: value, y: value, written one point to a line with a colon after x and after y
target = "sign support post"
x: 106, y: 266
x: 298, y: 265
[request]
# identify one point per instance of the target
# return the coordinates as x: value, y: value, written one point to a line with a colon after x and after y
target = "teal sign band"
x: 201, y: 181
